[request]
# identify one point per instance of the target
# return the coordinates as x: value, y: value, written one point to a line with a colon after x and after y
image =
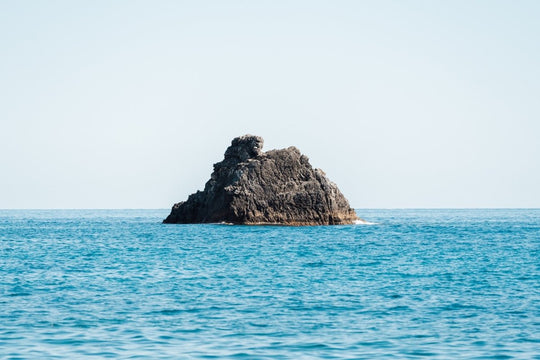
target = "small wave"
x: 169, y: 311
x: 314, y: 264
x: 364, y: 222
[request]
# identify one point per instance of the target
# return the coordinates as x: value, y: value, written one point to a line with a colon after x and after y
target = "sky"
x: 404, y: 104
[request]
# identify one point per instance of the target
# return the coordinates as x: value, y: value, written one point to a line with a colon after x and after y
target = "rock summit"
x: 253, y: 187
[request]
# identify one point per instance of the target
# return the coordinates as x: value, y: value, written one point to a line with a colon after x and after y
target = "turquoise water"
x: 442, y: 284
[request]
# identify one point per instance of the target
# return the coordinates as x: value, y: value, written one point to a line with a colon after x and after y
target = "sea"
x: 119, y: 284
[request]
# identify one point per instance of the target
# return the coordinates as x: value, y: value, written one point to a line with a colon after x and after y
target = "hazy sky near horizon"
x: 127, y: 104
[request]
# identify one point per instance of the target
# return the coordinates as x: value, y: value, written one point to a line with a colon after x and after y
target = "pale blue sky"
x: 127, y: 104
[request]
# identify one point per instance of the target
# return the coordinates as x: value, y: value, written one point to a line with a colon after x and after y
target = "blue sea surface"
x: 441, y: 284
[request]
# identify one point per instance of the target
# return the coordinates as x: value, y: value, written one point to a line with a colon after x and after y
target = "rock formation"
x: 275, y: 187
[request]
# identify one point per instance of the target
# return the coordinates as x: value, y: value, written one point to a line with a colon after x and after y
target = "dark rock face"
x: 274, y: 187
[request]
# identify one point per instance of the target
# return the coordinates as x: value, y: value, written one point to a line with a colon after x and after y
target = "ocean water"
x: 441, y: 284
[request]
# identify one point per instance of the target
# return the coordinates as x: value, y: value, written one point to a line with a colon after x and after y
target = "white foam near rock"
x: 363, y: 222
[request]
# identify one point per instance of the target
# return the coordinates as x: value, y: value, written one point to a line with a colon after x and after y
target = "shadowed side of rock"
x: 275, y: 187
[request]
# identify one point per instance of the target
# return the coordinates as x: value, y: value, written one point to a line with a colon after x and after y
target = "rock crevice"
x: 275, y: 187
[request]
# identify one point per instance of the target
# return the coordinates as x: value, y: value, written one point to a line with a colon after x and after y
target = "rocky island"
x: 253, y: 187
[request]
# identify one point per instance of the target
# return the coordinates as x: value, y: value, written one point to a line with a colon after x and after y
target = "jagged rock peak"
x: 245, y: 147
x: 275, y: 187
